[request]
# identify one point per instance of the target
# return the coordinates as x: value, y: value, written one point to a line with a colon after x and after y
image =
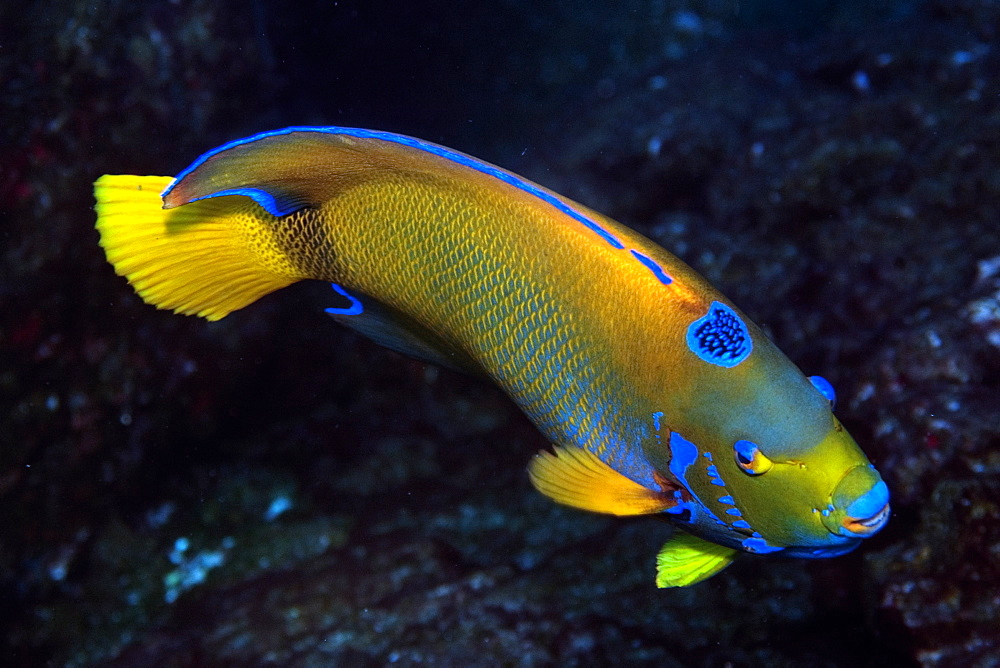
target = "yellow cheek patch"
x: 578, y: 478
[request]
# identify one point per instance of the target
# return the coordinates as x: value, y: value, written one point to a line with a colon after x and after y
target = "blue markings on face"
x: 825, y: 388
x: 734, y: 511
x: 355, y: 307
x: 720, y: 337
x: 653, y: 267
x: 727, y: 500
x: 741, y: 524
x: 683, y: 454
x: 871, y: 502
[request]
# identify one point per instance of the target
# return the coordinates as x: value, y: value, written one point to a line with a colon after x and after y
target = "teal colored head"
x: 768, y: 466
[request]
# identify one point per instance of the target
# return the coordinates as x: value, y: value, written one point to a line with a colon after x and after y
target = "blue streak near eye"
x: 356, y: 307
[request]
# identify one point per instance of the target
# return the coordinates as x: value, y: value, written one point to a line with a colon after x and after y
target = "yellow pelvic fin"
x: 206, y: 258
x: 686, y: 560
x: 576, y: 477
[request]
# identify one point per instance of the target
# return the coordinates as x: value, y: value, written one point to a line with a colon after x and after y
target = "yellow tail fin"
x: 206, y: 258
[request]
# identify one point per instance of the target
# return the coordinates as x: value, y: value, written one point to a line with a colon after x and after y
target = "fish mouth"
x: 866, y: 526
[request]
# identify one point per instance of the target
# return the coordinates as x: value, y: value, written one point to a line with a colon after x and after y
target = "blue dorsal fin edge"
x: 283, y: 203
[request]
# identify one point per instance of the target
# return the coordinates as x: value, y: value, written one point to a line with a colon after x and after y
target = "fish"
x: 657, y: 394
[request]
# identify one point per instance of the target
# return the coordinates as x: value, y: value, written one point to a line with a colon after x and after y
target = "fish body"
x: 659, y: 395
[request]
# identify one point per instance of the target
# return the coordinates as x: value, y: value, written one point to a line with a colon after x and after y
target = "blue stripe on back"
x: 441, y: 151
x: 653, y: 267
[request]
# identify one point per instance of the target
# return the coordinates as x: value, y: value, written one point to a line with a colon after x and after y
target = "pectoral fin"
x: 686, y: 560
x: 390, y: 328
x: 577, y: 477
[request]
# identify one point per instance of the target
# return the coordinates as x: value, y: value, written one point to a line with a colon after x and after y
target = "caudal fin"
x: 205, y: 258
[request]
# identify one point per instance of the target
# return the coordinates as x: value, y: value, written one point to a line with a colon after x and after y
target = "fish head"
x: 773, y: 470
x: 818, y: 502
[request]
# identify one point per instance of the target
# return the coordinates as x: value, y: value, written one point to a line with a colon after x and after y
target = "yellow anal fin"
x: 576, y: 477
x: 686, y: 560
x: 206, y: 258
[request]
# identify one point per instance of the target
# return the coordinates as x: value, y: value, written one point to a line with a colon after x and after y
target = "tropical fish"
x: 659, y: 395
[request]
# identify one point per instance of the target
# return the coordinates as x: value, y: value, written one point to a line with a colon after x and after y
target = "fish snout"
x: 859, y: 506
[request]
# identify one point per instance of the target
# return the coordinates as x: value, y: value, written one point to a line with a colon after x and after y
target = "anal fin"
x: 686, y: 560
x: 578, y: 478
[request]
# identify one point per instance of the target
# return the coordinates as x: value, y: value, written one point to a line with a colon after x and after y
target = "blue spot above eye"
x: 720, y: 337
x: 825, y: 388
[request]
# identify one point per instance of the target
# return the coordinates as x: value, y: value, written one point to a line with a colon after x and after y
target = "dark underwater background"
x: 273, y: 490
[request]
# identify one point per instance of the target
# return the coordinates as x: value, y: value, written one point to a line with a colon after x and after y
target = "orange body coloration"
x: 660, y: 395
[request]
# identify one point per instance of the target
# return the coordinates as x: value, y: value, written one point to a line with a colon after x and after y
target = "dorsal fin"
x: 282, y: 171
x: 578, y: 478
x: 286, y: 170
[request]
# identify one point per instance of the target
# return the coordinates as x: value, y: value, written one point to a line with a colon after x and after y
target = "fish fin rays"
x: 686, y: 560
x: 576, y: 477
x: 194, y: 260
x: 388, y: 327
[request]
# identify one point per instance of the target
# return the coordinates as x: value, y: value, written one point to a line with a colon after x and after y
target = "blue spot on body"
x: 707, y: 455
x: 727, y: 500
x: 741, y: 524
x: 720, y: 337
x: 653, y: 267
x: 734, y: 511
x: 758, y: 545
x: 355, y: 307
x: 825, y: 388
x: 712, y: 470
x: 717, y: 481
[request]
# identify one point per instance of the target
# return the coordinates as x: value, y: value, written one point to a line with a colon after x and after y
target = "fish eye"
x: 750, y: 459
x: 825, y: 388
